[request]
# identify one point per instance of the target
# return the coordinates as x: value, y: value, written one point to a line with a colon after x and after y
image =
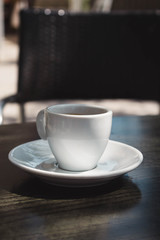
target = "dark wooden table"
x: 125, y: 208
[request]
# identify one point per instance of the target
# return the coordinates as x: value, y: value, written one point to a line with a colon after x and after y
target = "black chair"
x: 87, y: 56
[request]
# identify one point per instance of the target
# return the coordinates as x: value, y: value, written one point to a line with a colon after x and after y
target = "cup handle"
x: 41, y: 124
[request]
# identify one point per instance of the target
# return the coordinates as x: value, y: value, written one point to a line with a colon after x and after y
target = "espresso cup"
x: 77, y: 134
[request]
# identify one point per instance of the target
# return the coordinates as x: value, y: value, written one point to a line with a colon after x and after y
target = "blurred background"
x: 9, y: 50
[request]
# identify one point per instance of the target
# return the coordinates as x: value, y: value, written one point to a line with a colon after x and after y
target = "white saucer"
x: 35, y: 157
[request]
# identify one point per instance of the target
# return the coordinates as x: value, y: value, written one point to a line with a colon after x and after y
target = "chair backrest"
x: 89, y: 55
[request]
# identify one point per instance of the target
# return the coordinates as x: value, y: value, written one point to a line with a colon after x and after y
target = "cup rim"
x: 95, y: 107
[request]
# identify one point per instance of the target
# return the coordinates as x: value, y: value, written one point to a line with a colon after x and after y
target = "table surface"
x: 125, y: 208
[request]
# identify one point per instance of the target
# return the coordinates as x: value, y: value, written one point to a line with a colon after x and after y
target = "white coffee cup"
x: 77, y: 134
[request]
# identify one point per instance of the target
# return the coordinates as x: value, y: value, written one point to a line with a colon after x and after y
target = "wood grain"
x: 125, y: 208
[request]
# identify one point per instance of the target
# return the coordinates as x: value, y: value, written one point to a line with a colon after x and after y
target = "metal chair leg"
x: 1, y: 113
x: 22, y: 112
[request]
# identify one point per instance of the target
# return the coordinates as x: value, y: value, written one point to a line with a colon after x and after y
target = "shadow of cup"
x: 117, y: 195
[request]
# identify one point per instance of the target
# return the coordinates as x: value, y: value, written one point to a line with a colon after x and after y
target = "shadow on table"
x: 77, y: 213
x: 119, y: 194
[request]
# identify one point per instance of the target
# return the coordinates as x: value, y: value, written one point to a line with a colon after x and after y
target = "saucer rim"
x: 67, y: 175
